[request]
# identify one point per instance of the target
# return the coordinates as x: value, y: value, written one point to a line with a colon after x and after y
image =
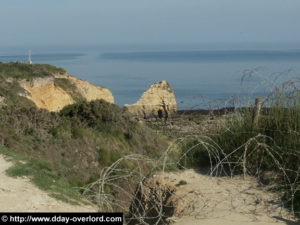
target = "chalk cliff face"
x: 46, y: 94
x: 158, y: 101
x: 87, y: 90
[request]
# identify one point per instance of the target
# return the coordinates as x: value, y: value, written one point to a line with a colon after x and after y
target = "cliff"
x: 87, y: 90
x: 52, y: 88
x: 158, y: 101
x: 58, y: 90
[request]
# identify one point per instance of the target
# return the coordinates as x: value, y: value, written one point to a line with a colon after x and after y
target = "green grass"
x: 11, y: 72
x: 70, y: 148
x: 41, y: 173
x: 67, y: 149
x: 27, y: 71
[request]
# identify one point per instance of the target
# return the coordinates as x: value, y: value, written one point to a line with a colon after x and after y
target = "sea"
x: 201, y: 79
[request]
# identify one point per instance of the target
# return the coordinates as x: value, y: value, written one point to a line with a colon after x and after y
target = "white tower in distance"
x: 29, y: 57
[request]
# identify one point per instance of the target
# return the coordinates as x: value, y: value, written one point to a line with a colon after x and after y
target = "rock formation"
x: 46, y: 94
x: 158, y: 101
x: 87, y: 90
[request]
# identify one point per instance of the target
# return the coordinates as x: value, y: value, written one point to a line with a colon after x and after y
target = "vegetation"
x: 70, y: 88
x: 42, y: 174
x: 11, y: 72
x: 74, y: 139
x: 27, y: 71
x: 71, y: 146
x: 98, y: 146
x: 268, y: 150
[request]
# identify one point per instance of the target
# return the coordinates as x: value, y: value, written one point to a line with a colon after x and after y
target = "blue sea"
x: 200, y: 78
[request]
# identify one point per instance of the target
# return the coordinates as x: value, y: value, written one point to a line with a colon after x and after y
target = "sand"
x: 225, y: 201
x: 203, y: 199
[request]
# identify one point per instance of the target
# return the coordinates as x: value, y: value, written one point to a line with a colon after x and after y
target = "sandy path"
x: 19, y: 195
x: 225, y: 201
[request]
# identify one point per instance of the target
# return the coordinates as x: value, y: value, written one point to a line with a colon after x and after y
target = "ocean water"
x: 200, y: 79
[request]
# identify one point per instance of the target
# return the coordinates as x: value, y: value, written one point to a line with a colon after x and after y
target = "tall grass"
x: 269, y: 149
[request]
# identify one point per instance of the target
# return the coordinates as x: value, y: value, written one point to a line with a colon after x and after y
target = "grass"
x: 70, y: 88
x: 41, y: 173
x: 27, y: 71
x: 63, y: 151
x: 268, y: 150
x: 60, y: 151
x: 11, y: 72
x: 72, y: 146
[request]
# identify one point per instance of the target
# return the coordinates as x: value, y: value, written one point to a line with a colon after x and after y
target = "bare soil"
x: 237, y: 200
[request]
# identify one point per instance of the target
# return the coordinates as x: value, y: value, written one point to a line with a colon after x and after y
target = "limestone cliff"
x: 87, y: 90
x: 46, y: 94
x: 158, y: 101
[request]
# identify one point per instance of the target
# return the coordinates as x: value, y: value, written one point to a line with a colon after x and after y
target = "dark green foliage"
x: 78, y: 141
x: 195, y: 154
x: 94, y: 113
x: 102, y: 116
x: 72, y: 146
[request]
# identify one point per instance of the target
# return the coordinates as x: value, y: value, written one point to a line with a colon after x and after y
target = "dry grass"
x: 267, y: 151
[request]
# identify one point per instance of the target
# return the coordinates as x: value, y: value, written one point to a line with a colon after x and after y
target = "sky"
x: 154, y: 22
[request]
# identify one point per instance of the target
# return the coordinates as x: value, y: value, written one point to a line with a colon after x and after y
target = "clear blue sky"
x: 100, y: 22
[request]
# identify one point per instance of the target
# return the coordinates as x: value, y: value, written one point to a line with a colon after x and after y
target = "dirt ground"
x: 224, y: 201
x: 202, y: 199
x: 19, y: 195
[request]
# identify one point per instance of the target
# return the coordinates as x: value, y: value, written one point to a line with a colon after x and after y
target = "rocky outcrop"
x: 46, y: 94
x: 55, y: 92
x: 158, y: 101
x: 87, y: 90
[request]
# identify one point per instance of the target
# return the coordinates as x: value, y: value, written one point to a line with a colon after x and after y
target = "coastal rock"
x: 87, y: 90
x: 46, y: 94
x: 158, y: 101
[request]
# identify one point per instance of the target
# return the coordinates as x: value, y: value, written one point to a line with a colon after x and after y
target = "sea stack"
x: 158, y: 101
